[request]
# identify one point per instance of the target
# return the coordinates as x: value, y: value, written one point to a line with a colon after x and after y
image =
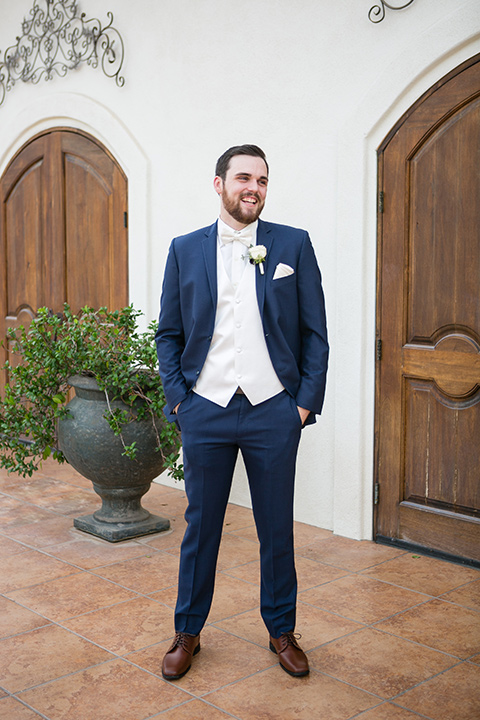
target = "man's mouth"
x: 250, y: 200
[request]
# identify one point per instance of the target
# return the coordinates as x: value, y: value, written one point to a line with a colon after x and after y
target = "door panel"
x: 63, y: 201
x: 436, y: 429
x: 23, y: 226
x: 88, y: 212
x: 428, y: 319
x: 96, y: 203
x: 444, y: 262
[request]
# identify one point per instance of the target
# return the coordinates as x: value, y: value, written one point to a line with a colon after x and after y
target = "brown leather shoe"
x: 290, y: 655
x: 178, y: 658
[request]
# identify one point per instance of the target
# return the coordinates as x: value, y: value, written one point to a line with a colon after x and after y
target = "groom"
x: 242, y: 349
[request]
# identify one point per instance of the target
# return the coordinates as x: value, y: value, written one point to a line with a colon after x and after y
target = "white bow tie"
x: 245, y: 236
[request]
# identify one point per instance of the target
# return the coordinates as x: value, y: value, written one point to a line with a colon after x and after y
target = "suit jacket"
x: 292, y: 309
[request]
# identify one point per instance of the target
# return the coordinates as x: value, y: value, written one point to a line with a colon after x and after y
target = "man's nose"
x: 253, y: 185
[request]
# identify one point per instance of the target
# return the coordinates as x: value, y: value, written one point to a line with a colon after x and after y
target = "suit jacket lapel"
x: 264, y: 237
x: 209, y: 244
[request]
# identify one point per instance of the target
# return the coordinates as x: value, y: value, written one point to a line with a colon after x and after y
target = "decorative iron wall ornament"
x: 56, y: 39
x: 377, y: 12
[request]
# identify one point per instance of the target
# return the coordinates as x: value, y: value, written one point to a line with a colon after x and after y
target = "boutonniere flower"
x: 257, y: 255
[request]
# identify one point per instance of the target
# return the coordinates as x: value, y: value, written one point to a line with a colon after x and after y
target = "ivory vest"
x: 238, y: 356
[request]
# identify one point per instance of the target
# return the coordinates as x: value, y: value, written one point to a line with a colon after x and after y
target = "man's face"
x: 243, y: 191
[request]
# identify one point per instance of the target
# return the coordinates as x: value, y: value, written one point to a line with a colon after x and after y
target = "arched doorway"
x: 63, y: 228
x: 428, y: 322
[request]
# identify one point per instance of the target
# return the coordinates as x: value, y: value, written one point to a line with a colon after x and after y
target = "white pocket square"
x: 282, y: 270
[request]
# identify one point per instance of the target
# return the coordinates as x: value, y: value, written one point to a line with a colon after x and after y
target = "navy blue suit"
x: 293, y: 317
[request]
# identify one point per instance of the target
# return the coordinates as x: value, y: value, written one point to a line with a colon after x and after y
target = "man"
x: 242, y: 348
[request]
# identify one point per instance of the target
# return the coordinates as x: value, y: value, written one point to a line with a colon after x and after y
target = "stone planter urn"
x: 91, y: 447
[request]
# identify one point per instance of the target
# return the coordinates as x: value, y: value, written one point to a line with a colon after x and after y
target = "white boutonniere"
x: 257, y: 255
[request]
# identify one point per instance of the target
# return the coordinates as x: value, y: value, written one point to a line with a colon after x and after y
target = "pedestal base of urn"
x: 115, y: 532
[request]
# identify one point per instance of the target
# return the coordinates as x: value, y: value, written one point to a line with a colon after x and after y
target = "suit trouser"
x: 267, y: 436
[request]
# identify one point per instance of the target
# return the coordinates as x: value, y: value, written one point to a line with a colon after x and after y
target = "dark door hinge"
x: 376, y: 493
x: 381, y: 201
x: 125, y: 219
x: 379, y: 349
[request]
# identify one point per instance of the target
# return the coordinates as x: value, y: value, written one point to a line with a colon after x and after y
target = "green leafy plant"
x: 102, y: 344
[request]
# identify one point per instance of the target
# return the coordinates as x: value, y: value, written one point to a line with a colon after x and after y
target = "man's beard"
x: 235, y: 208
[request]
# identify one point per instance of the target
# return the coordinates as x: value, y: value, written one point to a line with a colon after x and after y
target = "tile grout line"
x: 30, y: 503
x: 16, y: 693
x: 421, y: 645
x: 362, y: 622
x: 397, y: 697
x: 313, y: 671
x: 174, y: 707
x: 208, y: 692
x: 30, y: 707
x: 386, y: 702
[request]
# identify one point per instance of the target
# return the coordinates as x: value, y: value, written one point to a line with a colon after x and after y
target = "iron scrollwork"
x: 377, y: 12
x: 56, y: 39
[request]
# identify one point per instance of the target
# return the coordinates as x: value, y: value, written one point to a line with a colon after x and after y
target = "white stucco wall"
x: 317, y: 86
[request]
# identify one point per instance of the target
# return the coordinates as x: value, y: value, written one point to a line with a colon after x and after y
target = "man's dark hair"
x: 223, y: 161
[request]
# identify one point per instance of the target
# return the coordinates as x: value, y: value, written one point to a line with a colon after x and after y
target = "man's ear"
x: 218, y: 184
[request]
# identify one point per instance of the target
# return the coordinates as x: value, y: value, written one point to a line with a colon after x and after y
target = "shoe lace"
x: 181, y: 640
x: 290, y: 638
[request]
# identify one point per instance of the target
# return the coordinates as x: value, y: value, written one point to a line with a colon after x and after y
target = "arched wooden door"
x: 428, y: 369
x: 63, y: 228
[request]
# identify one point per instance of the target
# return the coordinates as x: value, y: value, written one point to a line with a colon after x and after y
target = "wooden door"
x: 428, y: 322
x: 63, y: 236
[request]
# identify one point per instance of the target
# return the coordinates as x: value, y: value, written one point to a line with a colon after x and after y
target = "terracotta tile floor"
x: 84, y: 623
